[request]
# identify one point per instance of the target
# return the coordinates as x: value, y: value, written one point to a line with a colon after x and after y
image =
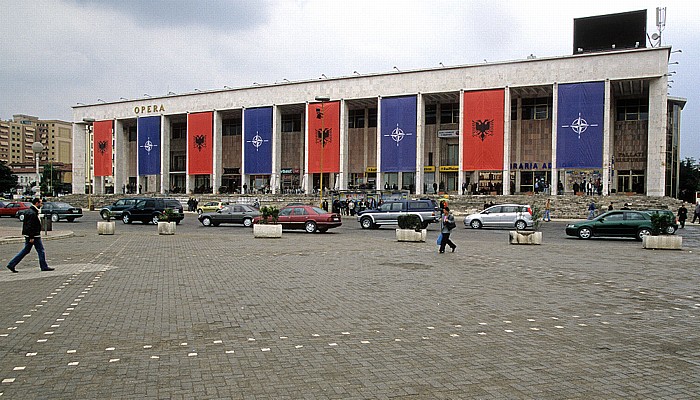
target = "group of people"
x: 192, y: 204
x: 683, y: 214
x: 351, y: 206
x: 590, y: 188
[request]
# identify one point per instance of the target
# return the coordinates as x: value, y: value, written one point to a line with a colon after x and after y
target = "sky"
x: 55, y: 54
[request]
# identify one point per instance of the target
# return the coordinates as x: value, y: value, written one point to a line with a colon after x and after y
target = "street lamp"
x: 88, y: 145
x: 37, y: 147
x: 320, y: 115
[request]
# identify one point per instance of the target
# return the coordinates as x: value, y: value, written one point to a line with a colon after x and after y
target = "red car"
x: 309, y: 218
x: 11, y: 209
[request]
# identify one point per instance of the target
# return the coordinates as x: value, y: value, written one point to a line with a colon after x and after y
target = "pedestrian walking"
x: 682, y: 215
x: 696, y: 214
x: 591, y: 210
x: 31, y: 229
x: 447, y: 223
x: 547, y: 208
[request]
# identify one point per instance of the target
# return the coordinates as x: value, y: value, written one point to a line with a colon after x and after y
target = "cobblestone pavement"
x: 212, y: 313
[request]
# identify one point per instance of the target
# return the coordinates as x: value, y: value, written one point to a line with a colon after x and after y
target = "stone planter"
x: 662, y: 242
x: 105, y: 227
x: 166, y: 228
x: 525, y: 237
x: 267, y: 231
x: 410, y: 235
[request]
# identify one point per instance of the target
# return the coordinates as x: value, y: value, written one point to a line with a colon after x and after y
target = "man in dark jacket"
x: 31, y: 229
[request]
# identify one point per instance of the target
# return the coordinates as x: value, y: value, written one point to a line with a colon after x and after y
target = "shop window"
x: 449, y: 113
x: 291, y: 122
x: 632, y: 110
x: 537, y: 108
x: 231, y: 126
x: 179, y: 130
x: 356, y: 118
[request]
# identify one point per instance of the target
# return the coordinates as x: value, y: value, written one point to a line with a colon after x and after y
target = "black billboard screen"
x: 612, y: 31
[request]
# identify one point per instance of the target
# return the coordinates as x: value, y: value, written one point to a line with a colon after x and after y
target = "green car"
x: 618, y: 223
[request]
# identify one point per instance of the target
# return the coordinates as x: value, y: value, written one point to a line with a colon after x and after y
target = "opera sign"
x: 149, y: 109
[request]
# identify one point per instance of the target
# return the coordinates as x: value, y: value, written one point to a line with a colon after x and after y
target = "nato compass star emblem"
x: 398, y: 134
x: 199, y: 142
x: 579, y: 125
x: 102, y: 146
x: 148, y: 145
x: 257, y: 141
x: 324, y: 136
x: 482, y: 128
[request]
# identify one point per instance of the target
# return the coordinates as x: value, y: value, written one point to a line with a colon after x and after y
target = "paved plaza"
x: 212, y: 313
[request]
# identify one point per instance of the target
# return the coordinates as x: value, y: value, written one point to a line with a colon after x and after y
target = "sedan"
x: 58, y: 210
x: 309, y: 218
x: 625, y: 223
x: 12, y: 209
x: 233, y: 214
x: 516, y: 216
x: 211, y: 206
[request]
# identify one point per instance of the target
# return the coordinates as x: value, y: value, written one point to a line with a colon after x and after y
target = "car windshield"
x: 61, y: 205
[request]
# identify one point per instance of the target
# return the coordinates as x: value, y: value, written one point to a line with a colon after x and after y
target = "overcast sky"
x: 54, y: 54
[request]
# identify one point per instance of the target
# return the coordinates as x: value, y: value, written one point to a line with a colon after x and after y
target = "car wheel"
x: 475, y: 224
x: 585, y: 233
x: 155, y: 219
x: 248, y: 222
x: 643, y: 232
x: 670, y: 230
x: 199, y: 211
x: 206, y: 221
x: 126, y: 218
x: 54, y: 217
x: 104, y: 214
x: 20, y: 217
x: 425, y: 225
x: 323, y: 230
x: 366, y: 223
x: 520, y: 225
x: 310, y: 226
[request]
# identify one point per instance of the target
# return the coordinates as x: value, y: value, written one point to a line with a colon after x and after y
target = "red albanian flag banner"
x: 482, y: 130
x: 324, y: 136
x: 102, y: 147
x: 200, y: 140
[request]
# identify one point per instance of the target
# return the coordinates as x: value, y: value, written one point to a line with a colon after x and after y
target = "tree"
x: 50, y: 179
x: 689, y: 181
x: 8, y: 181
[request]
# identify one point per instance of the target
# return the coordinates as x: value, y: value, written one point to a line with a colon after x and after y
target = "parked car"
x: 309, y: 218
x: 117, y: 207
x: 150, y: 209
x: 231, y: 214
x: 671, y: 229
x: 13, y: 209
x: 518, y: 216
x: 211, y: 206
x: 58, y: 210
x: 388, y: 213
x: 629, y: 223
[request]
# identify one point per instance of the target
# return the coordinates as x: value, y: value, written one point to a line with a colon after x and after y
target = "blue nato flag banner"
x: 398, y: 134
x: 580, y: 125
x: 148, y: 137
x: 258, y: 140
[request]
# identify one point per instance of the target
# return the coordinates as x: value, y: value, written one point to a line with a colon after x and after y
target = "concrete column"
x: 244, y: 176
x: 506, y: 141
x: 79, y: 158
x: 275, y: 178
x: 189, y: 180
x: 165, y: 134
x: 555, y: 122
x: 656, y: 137
x: 121, y: 156
x: 420, y: 144
x: 607, y: 129
x: 308, y: 178
x: 380, y: 178
x: 460, y: 174
x: 217, y: 169
x: 344, y: 153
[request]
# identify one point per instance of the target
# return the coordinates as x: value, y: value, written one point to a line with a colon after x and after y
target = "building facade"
x: 18, y: 134
x: 600, y: 119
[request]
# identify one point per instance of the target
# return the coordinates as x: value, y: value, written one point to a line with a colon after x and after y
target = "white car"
x: 516, y: 216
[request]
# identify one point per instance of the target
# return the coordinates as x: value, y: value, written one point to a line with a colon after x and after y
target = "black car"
x: 231, y: 214
x: 117, y: 207
x: 150, y: 210
x: 58, y: 210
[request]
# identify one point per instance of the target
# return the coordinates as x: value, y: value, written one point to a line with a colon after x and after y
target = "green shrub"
x: 660, y: 223
x: 269, y: 214
x: 410, y: 221
x: 168, y: 215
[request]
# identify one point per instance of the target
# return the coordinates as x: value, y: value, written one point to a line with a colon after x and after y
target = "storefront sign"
x: 530, y: 165
x: 429, y: 168
x: 289, y: 171
x: 232, y: 171
x: 452, y: 133
x: 371, y: 170
x: 449, y: 168
x: 149, y: 109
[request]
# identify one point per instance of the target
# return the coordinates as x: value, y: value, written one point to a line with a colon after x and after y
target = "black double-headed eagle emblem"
x: 324, y: 136
x: 200, y: 142
x: 102, y: 146
x: 482, y: 128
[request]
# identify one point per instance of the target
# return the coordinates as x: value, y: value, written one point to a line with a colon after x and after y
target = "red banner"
x: 482, y: 130
x: 102, y: 147
x: 324, y: 137
x: 200, y: 150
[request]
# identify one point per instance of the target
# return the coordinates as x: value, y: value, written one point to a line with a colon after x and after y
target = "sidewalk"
x: 14, y: 235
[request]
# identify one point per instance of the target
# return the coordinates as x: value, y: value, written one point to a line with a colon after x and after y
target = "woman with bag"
x: 447, y: 223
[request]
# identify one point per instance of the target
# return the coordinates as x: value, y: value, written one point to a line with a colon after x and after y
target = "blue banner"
x: 580, y: 125
x: 398, y: 139
x: 148, y: 139
x: 258, y: 140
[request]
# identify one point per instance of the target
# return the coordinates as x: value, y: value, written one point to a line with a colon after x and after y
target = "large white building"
x: 602, y: 117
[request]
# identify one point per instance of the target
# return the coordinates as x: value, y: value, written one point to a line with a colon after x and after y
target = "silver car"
x: 516, y: 216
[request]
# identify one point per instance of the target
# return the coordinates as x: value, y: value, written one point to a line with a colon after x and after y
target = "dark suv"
x: 149, y: 210
x: 388, y: 213
x: 118, y: 206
